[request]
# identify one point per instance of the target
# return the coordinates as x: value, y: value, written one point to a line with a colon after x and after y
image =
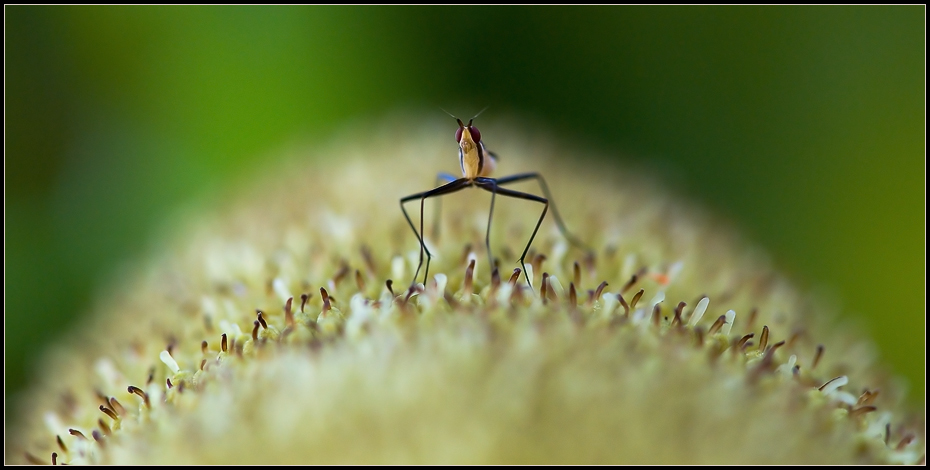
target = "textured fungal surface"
x: 283, y: 328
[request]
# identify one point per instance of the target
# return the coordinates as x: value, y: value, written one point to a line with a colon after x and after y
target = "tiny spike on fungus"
x: 76, y: 433
x: 61, y: 444
x: 109, y: 412
x: 255, y: 326
x: 718, y: 324
x: 325, y: 295
x: 305, y: 297
x: 368, y: 259
x: 636, y: 298
x: 359, y: 281
x: 742, y: 341
x: 867, y: 397
x: 544, y: 288
x: 626, y: 307
x: 514, y: 277
x: 904, y: 442
x: 288, y: 312
x: 261, y: 319
x: 390, y: 287
x: 342, y: 273
x: 54, y: 458
x: 698, y: 311
x: 862, y: 410
x: 104, y: 427
x: 629, y: 284
x: 204, y: 347
x: 576, y: 273
x: 223, y: 343
x: 833, y: 384
x: 117, y: 406
x: 468, y: 283
x: 138, y: 391
x: 817, y: 355
x: 764, y: 338
x: 676, y: 321
x: 572, y: 295
x: 600, y: 289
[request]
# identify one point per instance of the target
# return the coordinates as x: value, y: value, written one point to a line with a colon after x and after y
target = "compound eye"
x: 458, y: 134
x: 475, y: 133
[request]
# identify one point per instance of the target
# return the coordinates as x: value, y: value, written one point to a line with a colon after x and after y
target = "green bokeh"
x: 804, y: 125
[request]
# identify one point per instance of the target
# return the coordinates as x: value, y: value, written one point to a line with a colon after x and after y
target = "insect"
x: 477, y: 164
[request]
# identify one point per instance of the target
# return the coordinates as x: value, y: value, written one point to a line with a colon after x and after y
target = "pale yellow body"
x: 474, y: 157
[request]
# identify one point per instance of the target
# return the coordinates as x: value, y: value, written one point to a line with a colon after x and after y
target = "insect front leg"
x: 442, y: 190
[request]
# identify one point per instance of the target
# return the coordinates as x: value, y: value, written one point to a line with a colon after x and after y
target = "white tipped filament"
x: 698, y: 312
x: 169, y: 361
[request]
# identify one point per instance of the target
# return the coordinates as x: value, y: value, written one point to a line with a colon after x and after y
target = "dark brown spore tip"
x: 305, y: 297
x: 109, y: 412
x: 390, y: 287
x: 138, y: 391
x: 514, y: 277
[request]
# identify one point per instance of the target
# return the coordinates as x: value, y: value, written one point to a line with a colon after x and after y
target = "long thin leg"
x: 489, y: 184
x: 444, y: 189
x: 487, y: 235
x: 436, y: 215
x: 555, y: 212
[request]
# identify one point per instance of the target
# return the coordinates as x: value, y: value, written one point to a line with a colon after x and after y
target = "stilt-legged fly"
x: 477, y: 164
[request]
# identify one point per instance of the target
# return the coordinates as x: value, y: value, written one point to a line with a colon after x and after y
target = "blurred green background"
x: 803, y: 125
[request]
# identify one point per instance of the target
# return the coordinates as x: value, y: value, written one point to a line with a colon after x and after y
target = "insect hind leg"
x: 555, y: 212
x: 492, y: 185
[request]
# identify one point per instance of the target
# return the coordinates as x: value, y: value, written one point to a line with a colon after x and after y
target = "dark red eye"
x: 475, y: 133
x: 458, y: 135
